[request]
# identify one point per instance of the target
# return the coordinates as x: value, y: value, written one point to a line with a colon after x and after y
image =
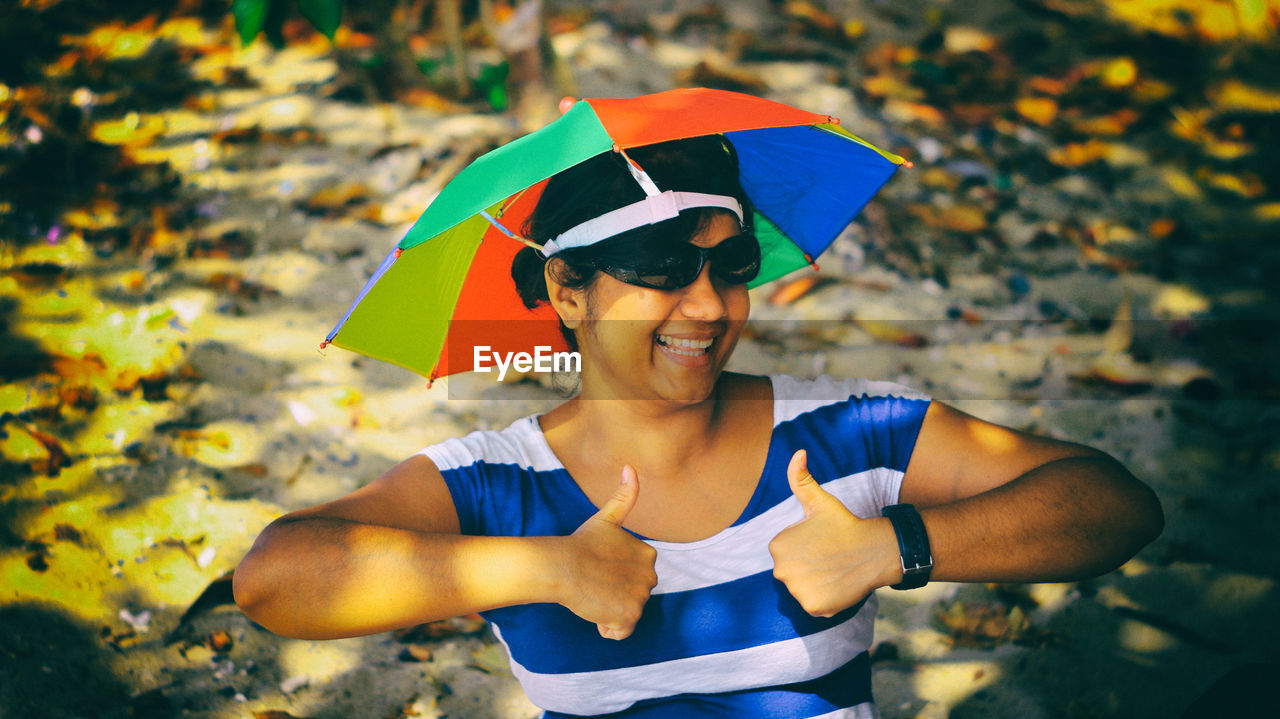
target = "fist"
x: 831, y: 559
x: 610, y: 572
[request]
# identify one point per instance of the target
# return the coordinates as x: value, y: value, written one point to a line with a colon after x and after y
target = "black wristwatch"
x: 913, y: 544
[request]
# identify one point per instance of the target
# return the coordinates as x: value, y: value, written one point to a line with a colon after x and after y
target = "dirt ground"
x: 1060, y: 259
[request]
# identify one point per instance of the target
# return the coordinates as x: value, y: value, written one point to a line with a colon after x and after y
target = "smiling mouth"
x: 685, y: 347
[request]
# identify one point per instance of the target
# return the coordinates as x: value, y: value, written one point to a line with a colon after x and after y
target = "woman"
x: 677, y: 540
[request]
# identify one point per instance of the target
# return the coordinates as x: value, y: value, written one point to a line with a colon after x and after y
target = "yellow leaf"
x: 964, y: 218
x: 1114, y: 124
x: 1120, y: 72
x: 1236, y: 95
x: 1120, y: 334
x: 885, y: 85
x: 1181, y: 183
x: 1268, y: 211
x: 1247, y: 185
x: 131, y: 129
x: 1075, y: 154
x: 963, y: 38
x: 1040, y: 110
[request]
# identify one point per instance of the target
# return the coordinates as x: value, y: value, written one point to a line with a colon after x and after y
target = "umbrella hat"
x: 446, y: 288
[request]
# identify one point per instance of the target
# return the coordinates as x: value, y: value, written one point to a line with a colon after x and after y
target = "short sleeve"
x: 464, y: 476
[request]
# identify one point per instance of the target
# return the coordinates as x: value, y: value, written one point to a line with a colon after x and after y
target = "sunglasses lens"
x: 736, y: 260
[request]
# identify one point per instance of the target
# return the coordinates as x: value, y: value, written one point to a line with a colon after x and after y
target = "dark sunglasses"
x: 735, y: 261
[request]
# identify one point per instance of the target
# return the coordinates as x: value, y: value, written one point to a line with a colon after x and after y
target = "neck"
x: 647, y: 434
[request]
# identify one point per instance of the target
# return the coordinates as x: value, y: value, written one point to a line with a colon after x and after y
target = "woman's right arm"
x: 389, y: 555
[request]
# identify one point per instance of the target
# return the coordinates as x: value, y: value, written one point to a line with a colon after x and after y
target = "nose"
x: 702, y: 299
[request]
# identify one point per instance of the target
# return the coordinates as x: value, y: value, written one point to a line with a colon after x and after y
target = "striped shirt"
x: 719, y: 637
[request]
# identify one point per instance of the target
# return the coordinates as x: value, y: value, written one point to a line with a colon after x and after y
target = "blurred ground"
x: 1082, y: 249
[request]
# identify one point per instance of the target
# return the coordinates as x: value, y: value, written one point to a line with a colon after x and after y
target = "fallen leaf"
x: 1119, y: 334
x: 900, y: 110
x: 890, y: 85
x: 1118, y: 73
x: 415, y: 653
x: 885, y: 332
x: 1040, y: 110
x: 339, y: 196
x: 960, y: 39
x: 793, y: 290
x: 1076, y: 154
x: 1047, y: 85
x: 219, y: 641
x: 964, y: 218
x: 1117, y: 123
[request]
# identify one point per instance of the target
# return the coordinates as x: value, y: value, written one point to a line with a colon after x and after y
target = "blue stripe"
x: 846, y: 438
x: 740, y: 614
x: 847, y: 686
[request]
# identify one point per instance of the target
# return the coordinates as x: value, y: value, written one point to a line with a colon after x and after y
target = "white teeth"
x: 686, y: 347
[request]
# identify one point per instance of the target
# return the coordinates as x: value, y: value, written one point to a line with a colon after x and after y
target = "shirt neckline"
x: 547, y: 456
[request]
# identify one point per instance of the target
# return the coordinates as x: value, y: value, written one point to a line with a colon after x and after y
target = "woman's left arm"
x: 1004, y: 505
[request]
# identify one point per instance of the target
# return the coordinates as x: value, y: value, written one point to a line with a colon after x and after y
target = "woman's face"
x: 641, y: 343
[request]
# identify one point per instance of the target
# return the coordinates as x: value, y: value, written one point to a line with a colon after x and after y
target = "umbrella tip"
x: 566, y: 103
x: 324, y: 344
x: 908, y: 164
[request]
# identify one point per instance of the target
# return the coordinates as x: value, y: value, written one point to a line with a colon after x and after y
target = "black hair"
x: 603, y: 183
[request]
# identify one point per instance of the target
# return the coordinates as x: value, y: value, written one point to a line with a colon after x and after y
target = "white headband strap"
x: 651, y: 210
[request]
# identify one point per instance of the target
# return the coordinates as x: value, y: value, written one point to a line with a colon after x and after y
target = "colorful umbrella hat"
x: 446, y: 288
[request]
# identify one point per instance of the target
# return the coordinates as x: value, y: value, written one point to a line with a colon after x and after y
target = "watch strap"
x: 913, y: 545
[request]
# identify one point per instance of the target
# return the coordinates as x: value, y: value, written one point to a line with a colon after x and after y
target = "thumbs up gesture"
x: 609, y: 573
x: 831, y: 559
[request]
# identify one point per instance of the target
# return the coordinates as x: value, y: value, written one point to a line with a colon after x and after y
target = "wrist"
x: 888, y: 557
x: 916, y: 557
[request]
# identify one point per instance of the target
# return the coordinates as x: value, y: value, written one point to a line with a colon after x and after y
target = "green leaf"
x: 249, y: 15
x: 325, y: 15
x: 273, y: 24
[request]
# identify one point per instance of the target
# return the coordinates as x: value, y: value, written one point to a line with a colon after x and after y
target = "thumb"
x: 615, y: 511
x: 811, y: 494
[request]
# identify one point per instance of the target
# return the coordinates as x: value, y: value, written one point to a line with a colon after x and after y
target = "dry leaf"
x: 960, y: 39
x: 219, y: 641
x: 415, y: 653
x: 964, y: 218
x: 889, y: 85
x: 793, y: 290
x: 339, y: 196
x: 1117, y: 123
x: 1119, y: 335
x: 885, y: 332
x: 900, y: 110
x: 1040, y: 110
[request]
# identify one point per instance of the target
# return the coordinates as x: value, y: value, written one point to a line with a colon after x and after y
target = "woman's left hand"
x: 831, y: 559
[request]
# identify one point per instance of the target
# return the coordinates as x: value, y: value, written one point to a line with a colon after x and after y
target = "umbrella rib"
x: 502, y: 228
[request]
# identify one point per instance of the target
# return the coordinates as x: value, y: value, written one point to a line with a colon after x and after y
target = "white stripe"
x: 792, y: 660
x: 866, y: 710
x: 521, y: 443
x: 685, y: 566
x: 794, y: 396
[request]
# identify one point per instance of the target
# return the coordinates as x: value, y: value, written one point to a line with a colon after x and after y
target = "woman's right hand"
x: 610, y: 572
